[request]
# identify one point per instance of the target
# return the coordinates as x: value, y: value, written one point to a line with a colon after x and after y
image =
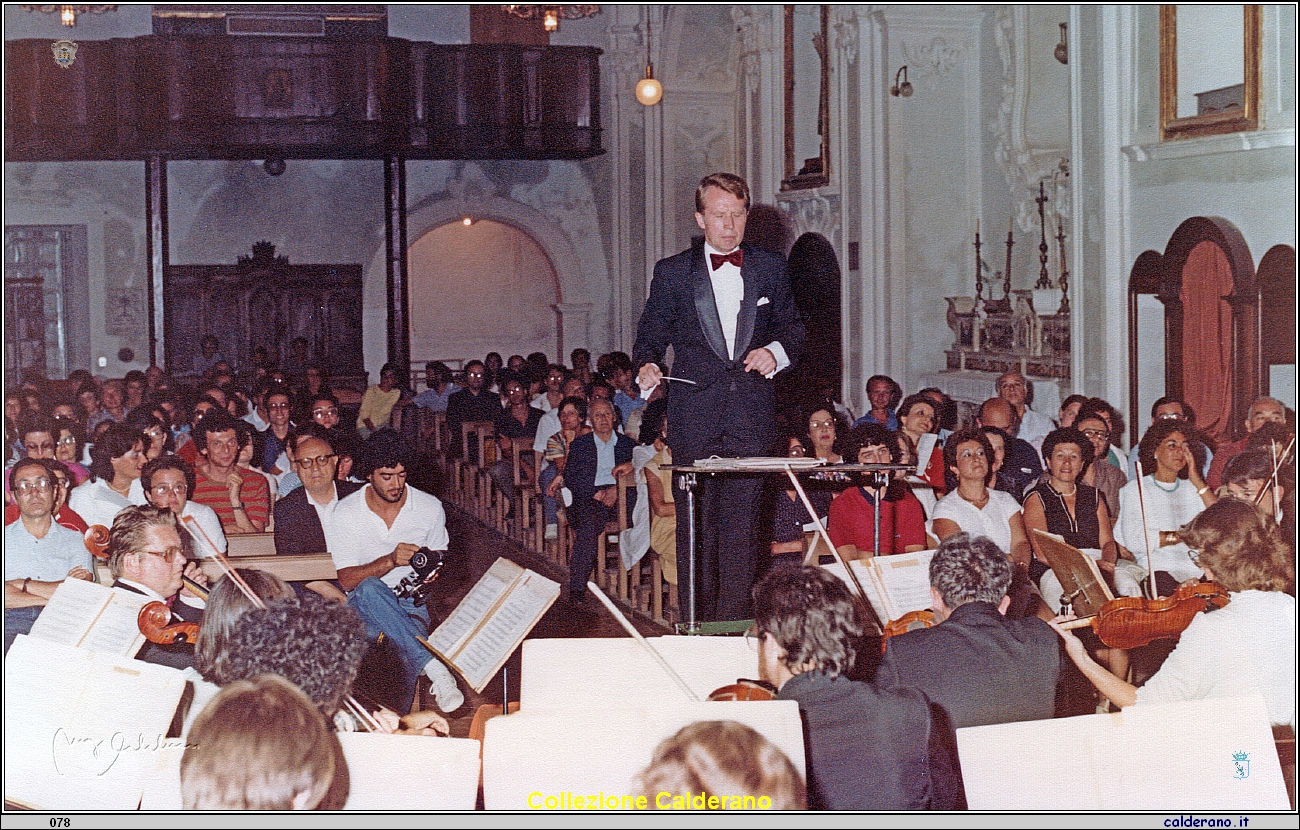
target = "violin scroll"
x: 97, y: 541
x: 744, y: 689
x: 155, y: 621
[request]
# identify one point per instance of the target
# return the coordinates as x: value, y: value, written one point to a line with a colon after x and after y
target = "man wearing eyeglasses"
x: 1014, y: 389
x: 473, y: 403
x: 39, y: 554
x: 146, y: 557
x: 302, y: 516
x: 168, y: 481
x: 278, y: 411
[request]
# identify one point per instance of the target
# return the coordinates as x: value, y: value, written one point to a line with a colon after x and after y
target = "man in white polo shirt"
x: 372, y: 537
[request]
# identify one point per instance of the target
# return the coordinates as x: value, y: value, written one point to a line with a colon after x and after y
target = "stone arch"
x: 573, y: 305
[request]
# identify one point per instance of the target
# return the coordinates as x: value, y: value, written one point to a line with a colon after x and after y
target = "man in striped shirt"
x: 240, y: 498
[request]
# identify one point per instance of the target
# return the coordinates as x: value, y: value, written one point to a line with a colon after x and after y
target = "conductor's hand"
x: 761, y: 361
x: 649, y: 377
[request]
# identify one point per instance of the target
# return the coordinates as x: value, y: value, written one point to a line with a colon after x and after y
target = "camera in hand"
x: 426, y: 563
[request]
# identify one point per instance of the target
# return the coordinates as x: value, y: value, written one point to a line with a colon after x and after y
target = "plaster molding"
x: 929, y: 62
x: 844, y: 27
x: 1210, y: 145
x: 814, y: 212
x: 1023, y: 165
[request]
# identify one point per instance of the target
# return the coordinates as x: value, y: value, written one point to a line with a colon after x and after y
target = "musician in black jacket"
x: 146, y: 556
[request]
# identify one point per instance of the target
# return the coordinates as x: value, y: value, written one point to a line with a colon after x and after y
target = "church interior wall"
x: 992, y: 112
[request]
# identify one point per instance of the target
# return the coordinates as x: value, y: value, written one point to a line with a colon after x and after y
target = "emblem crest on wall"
x: 65, y: 52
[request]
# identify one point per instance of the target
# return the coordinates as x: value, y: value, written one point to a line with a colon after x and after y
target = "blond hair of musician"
x: 722, y: 760
x: 1247, y: 647
x: 260, y: 744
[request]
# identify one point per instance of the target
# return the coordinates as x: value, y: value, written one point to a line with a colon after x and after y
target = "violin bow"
x: 1146, y: 536
x: 1278, y: 460
x: 196, y: 530
x: 824, y: 535
x: 636, y: 635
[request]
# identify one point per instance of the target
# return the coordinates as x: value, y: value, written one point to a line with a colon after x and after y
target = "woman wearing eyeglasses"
x: 168, y: 481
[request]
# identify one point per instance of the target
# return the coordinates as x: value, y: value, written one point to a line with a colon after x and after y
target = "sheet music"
x: 487, y: 592
x: 503, y: 630
x: 906, y: 578
x: 759, y: 463
x: 865, y: 578
x: 92, y: 616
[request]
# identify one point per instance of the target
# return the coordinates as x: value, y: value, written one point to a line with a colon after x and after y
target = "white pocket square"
x: 762, y: 301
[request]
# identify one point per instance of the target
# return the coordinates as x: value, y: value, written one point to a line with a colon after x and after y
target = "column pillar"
x: 158, y: 252
x: 399, y: 321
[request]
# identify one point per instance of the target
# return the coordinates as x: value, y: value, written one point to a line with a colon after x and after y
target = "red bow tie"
x: 736, y: 257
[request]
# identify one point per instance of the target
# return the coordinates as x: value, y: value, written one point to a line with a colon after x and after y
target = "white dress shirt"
x: 728, y: 292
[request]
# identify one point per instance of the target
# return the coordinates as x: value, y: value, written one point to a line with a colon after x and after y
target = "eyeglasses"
x: 164, y: 489
x: 331, y: 412
x: 67, y: 441
x: 43, y: 446
x: 277, y: 406
x: 313, y: 463
x: 752, y: 637
x: 37, y: 485
x: 1169, y: 416
x: 1195, y: 556
x: 169, y: 555
x: 474, y: 374
x: 820, y: 424
x: 1095, y: 433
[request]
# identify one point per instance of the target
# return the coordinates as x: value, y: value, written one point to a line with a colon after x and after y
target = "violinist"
x: 1248, y: 646
x: 868, y: 749
x: 146, y: 556
x: 980, y: 666
x: 39, y: 553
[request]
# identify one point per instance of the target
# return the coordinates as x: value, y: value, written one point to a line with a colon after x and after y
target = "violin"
x: 911, y: 621
x: 97, y: 541
x: 744, y: 689
x: 155, y: 621
x: 1129, y: 622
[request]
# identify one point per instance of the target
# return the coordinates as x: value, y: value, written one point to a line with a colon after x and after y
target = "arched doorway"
x: 815, y: 282
x: 483, y: 287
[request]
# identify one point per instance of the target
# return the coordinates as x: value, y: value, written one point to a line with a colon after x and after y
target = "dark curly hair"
x: 1069, y: 435
x: 117, y: 441
x: 961, y: 437
x: 310, y: 641
x: 811, y: 615
x: 1161, y: 430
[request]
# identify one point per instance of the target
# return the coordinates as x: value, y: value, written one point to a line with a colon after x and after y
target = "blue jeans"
x: 400, y: 620
x: 544, y: 479
x: 19, y: 621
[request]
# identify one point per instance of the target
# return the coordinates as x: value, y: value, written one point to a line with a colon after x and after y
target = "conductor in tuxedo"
x: 726, y: 309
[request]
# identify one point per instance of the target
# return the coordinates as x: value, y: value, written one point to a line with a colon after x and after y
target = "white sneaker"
x: 443, y: 686
x: 552, y: 532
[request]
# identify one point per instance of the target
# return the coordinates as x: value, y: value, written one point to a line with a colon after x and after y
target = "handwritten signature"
x: 99, y: 755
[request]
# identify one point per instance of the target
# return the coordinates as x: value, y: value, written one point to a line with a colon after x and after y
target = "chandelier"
x: 551, y: 15
x: 67, y: 12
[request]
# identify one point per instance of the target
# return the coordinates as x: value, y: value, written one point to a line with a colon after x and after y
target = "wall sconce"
x: 903, y: 89
x: 68, y: 12
x: 648, y: 90
x: 1062, y: 50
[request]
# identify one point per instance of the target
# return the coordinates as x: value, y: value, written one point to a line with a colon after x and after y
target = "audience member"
x: 854, y: 512
x: 1022, y: 466
x: 1015, y: 390
x: 39, y: 553
x: 596, y: 460
x: 116, y: 461
x: 378, y: 402
x: 473, y: 403
x: 1262, y: 411
x: 883, y: 394
x: 240, y: 497
x: 168, y: 482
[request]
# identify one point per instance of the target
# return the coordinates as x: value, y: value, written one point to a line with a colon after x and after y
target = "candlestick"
x: 1044, y: 281
x: 1065, y: 272
x: 979, y: 273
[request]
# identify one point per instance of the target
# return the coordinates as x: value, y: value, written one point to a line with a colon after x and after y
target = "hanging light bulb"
x: 551, y: 19
x: 68, y: 15
x: 648, y: 90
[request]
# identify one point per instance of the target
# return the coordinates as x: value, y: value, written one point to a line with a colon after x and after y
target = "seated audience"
x: 146, y: 556
x: 36, y: 432
x: 68, y: 447
x: 516, y: 423
x: 659, y: 492
x: 883, y: 393
x: 279, y: 409
x: 572, y: 418
x: 1169, y: 456
x: 437, y: 377
x: 116, y: 461
x: 722, y: 760
x: 981, y: 667
x: 240, y: 497
x: 868, y: 748
x: 552, y: 393
x: 853, y: 513
x: 1248, y: 647
x: 1070, y: 409
x: 916, y: 419
x: 790, y: 518
x: 1105, y: 476
x: 1062, y: 505
x: 1262, y: 411
x: 596, y: 460
x: 475, y: 402
x: 39, y: 553
x: 975, y: 509
x: 63, y: 515
x: 1022, y: 466
x: 1015, y: 390
x: 378, y: 402
x: 168, y: 482
x: 158, y: 438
